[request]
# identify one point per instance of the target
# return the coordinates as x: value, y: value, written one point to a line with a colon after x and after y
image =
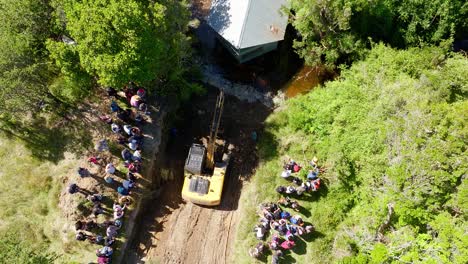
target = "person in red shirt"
x: 316, y: 185
x: 94, y: 160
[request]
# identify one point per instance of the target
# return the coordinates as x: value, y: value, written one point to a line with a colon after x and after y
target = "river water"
x: 303, y: 81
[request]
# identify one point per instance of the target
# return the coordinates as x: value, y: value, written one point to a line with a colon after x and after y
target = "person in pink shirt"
x: 288, y: 244
x: 135, y: 101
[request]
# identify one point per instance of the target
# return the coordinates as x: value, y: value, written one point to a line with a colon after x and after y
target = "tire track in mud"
x: 189, y: 233
x: 226, y: 243
x: 192, y: 234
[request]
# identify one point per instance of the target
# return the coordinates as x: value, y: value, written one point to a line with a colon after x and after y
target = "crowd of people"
x: 310, y: 184
x: 125, y: 125
x: 275, y: 219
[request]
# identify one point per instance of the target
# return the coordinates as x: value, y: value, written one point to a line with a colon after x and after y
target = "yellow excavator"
x: 203, y: 177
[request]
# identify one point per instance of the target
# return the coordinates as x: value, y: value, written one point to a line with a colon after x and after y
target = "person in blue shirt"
x: 313, y: 174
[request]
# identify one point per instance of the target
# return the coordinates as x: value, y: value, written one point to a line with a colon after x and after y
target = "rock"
x: 244, y: 92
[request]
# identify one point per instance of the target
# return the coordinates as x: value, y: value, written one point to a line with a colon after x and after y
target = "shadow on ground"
x: 191, y: 125
x: 49, y: 138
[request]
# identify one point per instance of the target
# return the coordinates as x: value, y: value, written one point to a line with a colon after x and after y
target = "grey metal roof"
x: 248, y: 23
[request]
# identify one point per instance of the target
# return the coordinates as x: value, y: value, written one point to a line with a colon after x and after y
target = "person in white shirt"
x: 110, y: 168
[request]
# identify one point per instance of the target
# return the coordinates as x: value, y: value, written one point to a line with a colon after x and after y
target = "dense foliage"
x: 23, y: 69
x: 339, y: 31
x: 56, y: 51
x: 391, y: 131
x: 119, y: 41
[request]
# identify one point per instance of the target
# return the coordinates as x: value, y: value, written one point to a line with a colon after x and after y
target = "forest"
x: 389, y: 127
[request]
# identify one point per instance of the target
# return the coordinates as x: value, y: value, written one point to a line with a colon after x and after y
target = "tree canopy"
x: 334, y: 32
x: 23, y: 69
x: 121, y: 41
x: 54, y: 52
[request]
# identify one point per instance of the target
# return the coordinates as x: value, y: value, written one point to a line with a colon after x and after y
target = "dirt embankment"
x: 75, y: 207
x: 173, y: 231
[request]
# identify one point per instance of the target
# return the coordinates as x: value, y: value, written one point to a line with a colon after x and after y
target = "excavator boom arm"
x: 214, y: 130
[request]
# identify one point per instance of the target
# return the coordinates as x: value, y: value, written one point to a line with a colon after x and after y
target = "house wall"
x: 253, y: 52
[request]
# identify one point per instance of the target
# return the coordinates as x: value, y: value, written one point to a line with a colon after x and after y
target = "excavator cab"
x: 203, y: 177
x: 196, y: 159
x: 194, y: 165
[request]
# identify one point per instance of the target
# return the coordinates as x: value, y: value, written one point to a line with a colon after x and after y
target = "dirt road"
x: 173, y: 231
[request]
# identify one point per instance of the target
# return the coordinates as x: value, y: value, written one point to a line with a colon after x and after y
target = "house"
x: 248, y: 28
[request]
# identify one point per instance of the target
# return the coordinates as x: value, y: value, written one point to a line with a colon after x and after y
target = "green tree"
x: 23, y: 71
x: 120, y: 41
x: 73, y: 82
x: 324, y: 28
x: 335, y: 32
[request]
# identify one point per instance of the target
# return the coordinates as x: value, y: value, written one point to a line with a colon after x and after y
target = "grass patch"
x: 29, y: 198
x: 324, y: 209
x: 38, y: 158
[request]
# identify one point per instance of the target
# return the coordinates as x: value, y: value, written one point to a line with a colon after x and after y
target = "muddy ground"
x: 173, y: 231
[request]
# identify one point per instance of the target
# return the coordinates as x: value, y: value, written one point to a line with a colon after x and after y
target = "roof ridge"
x: 243, y: 25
